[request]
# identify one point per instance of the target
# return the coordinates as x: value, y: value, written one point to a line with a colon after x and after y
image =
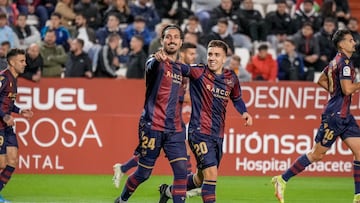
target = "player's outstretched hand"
x: 27, y: 113
x: 247, y: 118
x: 160, y: 55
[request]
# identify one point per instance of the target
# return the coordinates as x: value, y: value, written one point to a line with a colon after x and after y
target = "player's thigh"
x: 150, y: 144
x: 332, y: 126
x: 351, y: 137
x: 207, y: 150
x: 354, y: 145
x: 174, y: 146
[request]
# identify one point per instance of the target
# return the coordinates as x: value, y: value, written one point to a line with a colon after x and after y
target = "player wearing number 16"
x: 338, y: 78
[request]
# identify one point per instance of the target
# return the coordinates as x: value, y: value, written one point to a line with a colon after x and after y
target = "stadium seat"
x: 244, y: 55
x: 264, y: 2
x: 270, y: 8
x: 260, y: 8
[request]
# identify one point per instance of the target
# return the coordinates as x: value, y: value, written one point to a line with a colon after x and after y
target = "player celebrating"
x: 187, y: 55
x: 336, y: 121
x: 211, y: 87
x: 8, y: 91
x: 161, y: 127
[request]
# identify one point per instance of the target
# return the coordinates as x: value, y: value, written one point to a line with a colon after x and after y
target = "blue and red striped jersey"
x: 163, y: 88
x: 340, y: 68
x: 210, y: 94
x: 8, y: 92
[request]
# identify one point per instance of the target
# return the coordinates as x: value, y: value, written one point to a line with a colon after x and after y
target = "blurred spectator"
x: 192, y: 25
x: 25, y: 34
x: 155, y: 43
x: 90, y: 11
x: 108, y: 62
x: 306, y: 13
x: 147, y: 10
x: 62, y: 33
x: 34, y: 63
x: 278, y: 25
x: 353, y: 26
x: 343, y: 11
x: 54, y: 56
x: 241, y: 72
x: 33, y: 7
x: 10, y: 11
x: 49, y: 5
x: 138, y: 28
x: 66, y: 9
x: 78, y: 63
x: 224, y: 10
x: 220, y: 33
x: 172, y: 10
x: 103, y: 6
x: 3, y: 60
x: 6, y: 33
x: 5, y: 45
x: 112, y: 26
x: 308, y: 46
x: 84, y: 32
x: 122, y: 10
x: 137, y: 58
x: 262, y: 66
x: 202, y: 10
x: 290, y: 63
x: 327, y: 10
x: 252, y: 22
x: 324, y: 37
x: 201, y: 53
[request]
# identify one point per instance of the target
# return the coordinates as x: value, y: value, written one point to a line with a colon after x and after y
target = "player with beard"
x: 160, y: 126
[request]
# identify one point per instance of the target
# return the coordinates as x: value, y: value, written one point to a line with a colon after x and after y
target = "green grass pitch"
x: 99, y: 188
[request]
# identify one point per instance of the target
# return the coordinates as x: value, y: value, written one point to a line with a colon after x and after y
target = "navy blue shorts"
x: 7, y: 139
x: 152, y: 141
x: 333, y: 126
x: 207, y: 149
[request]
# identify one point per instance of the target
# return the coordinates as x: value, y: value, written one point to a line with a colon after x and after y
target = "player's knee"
x: 12, y: 162
x: 179, y: 169
x: 142, y: 174
x: 210, y: 173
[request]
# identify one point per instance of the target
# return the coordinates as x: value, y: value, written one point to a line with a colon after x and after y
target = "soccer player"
x: 8, y: 90
x: 211, y: 88
x: 187, y: 55
x: 338, y: 78
x: 161, y: 125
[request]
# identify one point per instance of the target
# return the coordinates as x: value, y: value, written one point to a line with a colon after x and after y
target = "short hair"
x: 339, y: 36
x: 187, y: 45
x: 330, y: 20
x: 308, y: 1
x: 14, y: 52
x: 223, y: 21
x: 307, y: 24
x: 263, y: 47
x: 22, y: 14
x: 172, y: 26
x: 354, y: 19
x: 290, y: 40
x: 236, y: 58
x: 3, y: 16
x: 50, y: 30
x: 80, y: 41
x: 113, y: 36
x: 139, y: 18
x: 194, y: 18
x: 139, y: 37
x: 281, y: 2
x: 56, y: 14
x: 220, y: 44
x: 5, y: 43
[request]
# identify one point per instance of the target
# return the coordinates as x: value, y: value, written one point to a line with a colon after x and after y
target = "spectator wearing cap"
x: 137, y: 58
x: 62, y: 33
x: 6, y: 33
x: 262, y: 66
x: 306, y: 13
x: 148, y: 11
x: 308, y: 45
x: 138, y: 27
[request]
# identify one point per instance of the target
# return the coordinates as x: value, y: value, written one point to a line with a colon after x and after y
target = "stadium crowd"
x: 268, y: 40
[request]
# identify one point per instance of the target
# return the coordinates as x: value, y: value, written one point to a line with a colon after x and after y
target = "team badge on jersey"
x: 346, y: 71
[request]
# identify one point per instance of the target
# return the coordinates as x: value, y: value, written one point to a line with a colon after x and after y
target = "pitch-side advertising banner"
x: 84, y: 126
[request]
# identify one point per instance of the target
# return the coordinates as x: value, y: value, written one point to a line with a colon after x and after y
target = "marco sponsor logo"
x: 64, y: 99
